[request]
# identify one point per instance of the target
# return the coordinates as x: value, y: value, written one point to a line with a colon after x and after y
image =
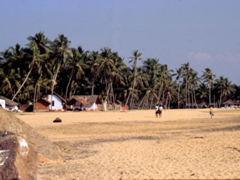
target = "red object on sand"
x: 124, y: 107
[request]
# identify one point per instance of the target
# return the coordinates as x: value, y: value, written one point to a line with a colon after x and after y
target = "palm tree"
x: 202, y: 91
x: 179, y: 75
x: 164, y: 75
x: 209, y: 78
x: 77, y: 66
x: 9, y: 79
x: 61, y: 52
x: 220, y: 84
x: 227, y: 89
x: 186, y: 70
x: 36, y: 59
x: 136, y: 56
x: 105, y: 65
x: 41, y: 41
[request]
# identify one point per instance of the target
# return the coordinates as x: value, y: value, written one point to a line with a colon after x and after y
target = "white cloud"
x: 198, y: 56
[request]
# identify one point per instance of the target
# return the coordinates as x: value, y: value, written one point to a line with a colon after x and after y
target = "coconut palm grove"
x: 44, y: 66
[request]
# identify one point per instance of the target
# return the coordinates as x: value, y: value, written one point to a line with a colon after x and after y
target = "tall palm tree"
x: 179, y: 75
x: 77, y: 66
x: 105, y: 65
x: 136, y: 56
x: 36, y: 59
x: 61, y: 51
x: 209, y: 78
x: 164, y: 75
x: 227, y: 89
x: 186, y: 71
x: 220, y: 84
x: 41, y: 41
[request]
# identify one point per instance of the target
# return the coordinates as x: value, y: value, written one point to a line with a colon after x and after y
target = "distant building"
x: 57, y: 101
x: 9, y: 104
x: 229, y: 103
x: 3, y: 103
x: 77, y: 103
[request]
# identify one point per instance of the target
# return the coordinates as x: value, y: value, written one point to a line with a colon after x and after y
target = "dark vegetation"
x: 44, y: 66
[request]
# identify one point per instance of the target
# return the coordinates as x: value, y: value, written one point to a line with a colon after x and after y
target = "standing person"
x: 159, y: 110
x: 211, y: 111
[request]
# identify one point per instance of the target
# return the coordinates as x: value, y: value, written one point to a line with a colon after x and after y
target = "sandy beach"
x: 183, y: 144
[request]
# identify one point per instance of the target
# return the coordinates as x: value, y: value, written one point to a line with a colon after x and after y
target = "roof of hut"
x: 237, y: 102
x: 90, y: 99
x: 229, y: 101
x: 9, y: 102
x: 201, y: 103
x: 60, y: 97
x: 76, y: 100
x: 44, y: 100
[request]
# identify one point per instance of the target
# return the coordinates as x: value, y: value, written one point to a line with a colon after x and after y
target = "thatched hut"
x: 229, y: 103
x: 77, y: 103
x: 92, y: 100
x: 203, y: 104
x: 9, y: 104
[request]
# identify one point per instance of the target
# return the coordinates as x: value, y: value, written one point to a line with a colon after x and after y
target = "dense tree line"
x: 46, y: 66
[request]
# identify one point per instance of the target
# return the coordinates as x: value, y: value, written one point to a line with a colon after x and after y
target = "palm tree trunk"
x: 186, y: 94
x: 178, y: 91
x: 93, y: 85
x: 220, y: 99
x: 159, y: 93
x: 163, y: 97
x: 167, y: 102
x: 113, y: 94
x: 23, y: 83
x: 192, y: 98
x: 68, y: 85
x: 142, y: 100
x: 54, y: 79
x: 105, y: 102
x: 34, y: 98
x: 195, y: 98
x: 151, y: 104
x: 209, y: 95
x: 134, y: 80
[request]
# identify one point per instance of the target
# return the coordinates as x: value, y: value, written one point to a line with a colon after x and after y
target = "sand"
x: 183, y: 144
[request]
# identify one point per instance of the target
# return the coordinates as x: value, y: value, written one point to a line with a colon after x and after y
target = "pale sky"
x: 205, y: 33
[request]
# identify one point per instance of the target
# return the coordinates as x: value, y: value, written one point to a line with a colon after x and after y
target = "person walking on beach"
x: 211, y: 111
x: 159, y: 110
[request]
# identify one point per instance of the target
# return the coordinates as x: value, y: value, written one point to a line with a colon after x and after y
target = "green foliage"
x: 44, y: 66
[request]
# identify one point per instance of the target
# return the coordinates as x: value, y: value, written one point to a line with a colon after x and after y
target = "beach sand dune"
x: 183, y: 144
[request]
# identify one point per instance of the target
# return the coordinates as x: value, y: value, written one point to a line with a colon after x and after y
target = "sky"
x: 205, y: 33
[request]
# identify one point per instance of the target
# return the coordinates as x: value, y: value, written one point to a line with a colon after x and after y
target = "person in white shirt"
x: 159, y: 110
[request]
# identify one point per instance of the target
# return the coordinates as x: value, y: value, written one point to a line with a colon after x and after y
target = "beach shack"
x: 9, y: 104
x: 202, y: 104
x: 42, y: 104
x: 229, y: 103
x: 92, y: 100
x: 77, y: 103
x: 57, y: 101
